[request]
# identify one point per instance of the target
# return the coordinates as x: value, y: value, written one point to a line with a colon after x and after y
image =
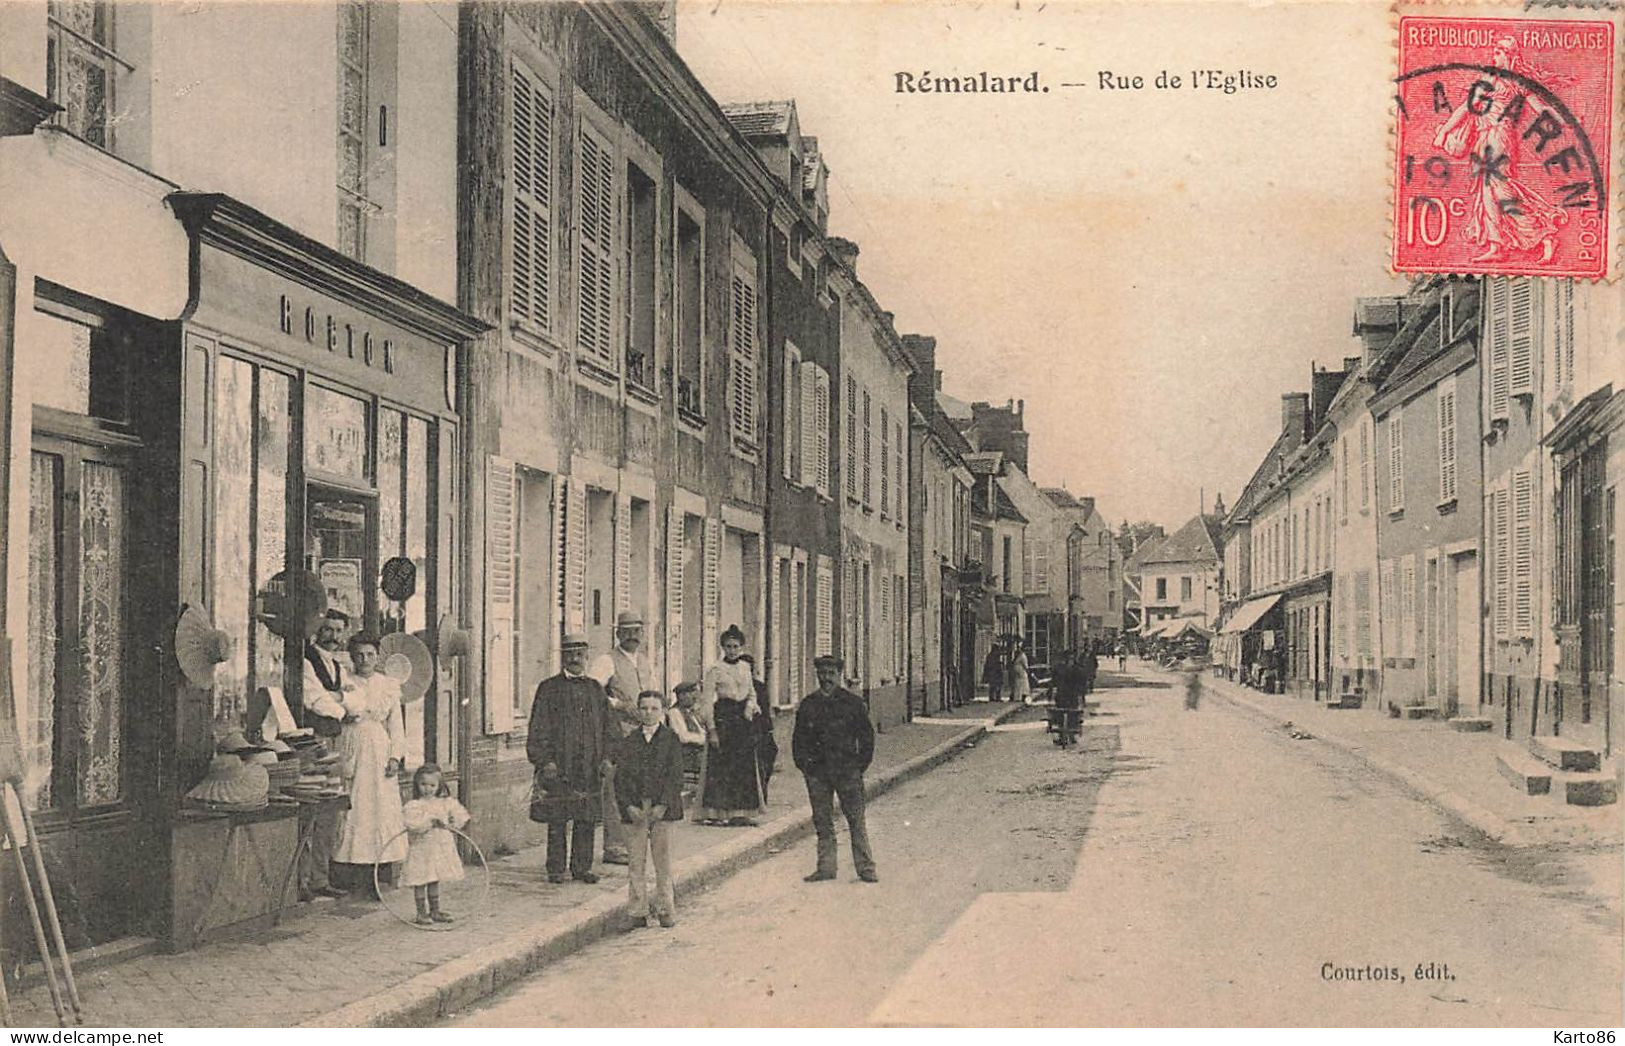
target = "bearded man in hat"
x: 624, y: 674
x: 833, y: 745
x: 572, y: 734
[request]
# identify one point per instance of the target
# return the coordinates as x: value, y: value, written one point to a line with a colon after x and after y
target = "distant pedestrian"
x: 993, y: 674
x: 431, y: 849
x: 1021, y: 684
x: 832, y: 746
x: 649, y: 789
x: 570, y: 741
x: 1122, y: 657
x: 732, y: 793
x: 1090, y: 665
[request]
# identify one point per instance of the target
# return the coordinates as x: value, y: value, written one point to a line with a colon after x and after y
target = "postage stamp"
x: 1503, y: 162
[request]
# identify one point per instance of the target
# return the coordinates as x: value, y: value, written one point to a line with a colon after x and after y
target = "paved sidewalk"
x: 1452, y: 769
x: 352, y: 963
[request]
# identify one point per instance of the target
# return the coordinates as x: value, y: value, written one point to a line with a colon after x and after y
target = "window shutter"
x: 1521, y: 347
x: 821, y: 429
x: 868, y: 445
x: 1523, y: 553
x: 900, y: 473
x: 531, y: 268
x: 674, y: 595
x: 808, y: 415
x: 1390, y: 609
x: 1501, y: 518
x: 575, y: 557
x: 793, y: 452
x: 824, y: 607
x: 712, y: 585
x: 1565, y: 323
x: 1447, y: 441
x: 885, y: 462
x: 742, y: 363
x: 623, y: 553
x: 1396, y: 461
x: 499, y: 594
x: 1407, y: 606
x: 596, y: 234
x: 852, y: 437
x: 1362, y: 609
x: 1499, y: 338
x: 1365, y: 463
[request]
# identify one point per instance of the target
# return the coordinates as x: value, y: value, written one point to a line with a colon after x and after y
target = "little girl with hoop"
x: 431, y: 856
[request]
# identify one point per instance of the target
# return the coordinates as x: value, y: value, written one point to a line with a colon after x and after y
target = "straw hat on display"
x: 199, y: 647
x: 407, y: 661
x: 232, y: 785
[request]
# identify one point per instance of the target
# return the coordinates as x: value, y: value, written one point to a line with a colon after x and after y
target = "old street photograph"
x: 796, y: 513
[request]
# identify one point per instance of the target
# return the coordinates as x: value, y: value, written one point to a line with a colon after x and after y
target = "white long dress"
x: 373, y: 829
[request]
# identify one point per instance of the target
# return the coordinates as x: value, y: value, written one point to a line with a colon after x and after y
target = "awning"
x: 1249, y: 613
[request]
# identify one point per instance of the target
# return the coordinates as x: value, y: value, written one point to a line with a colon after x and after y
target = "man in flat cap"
x: 624, y: 674
x: 572, y: 734
x: 833, y: 745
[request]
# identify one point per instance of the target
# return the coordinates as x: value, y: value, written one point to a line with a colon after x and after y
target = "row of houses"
x: 1433, y: 530
x: 499, y: 291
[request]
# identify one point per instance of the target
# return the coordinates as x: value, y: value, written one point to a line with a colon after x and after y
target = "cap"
x: 628, y: 619
x: 685, y: 688
x: 829, y: 659
x: 573, y: 639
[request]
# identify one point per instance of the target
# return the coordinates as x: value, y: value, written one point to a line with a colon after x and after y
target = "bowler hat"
x: 833, y: 660
x: 573, y: 639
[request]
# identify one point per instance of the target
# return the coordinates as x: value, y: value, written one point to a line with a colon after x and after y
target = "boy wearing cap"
x: 624, y: 674
x: 833, y: 745
x: 570, y: 742
x: 649, y: 779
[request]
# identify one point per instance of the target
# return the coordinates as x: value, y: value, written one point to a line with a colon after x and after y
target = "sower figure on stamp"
x: 570, y: 740
x: 833, y: 745
x: 624, y: 674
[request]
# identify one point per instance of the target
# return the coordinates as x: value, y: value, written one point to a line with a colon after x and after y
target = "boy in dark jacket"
x: 649, y: 791
x: 832, y: 746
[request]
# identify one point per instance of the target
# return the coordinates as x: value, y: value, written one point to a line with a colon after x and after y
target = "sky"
x: 1147, y: 270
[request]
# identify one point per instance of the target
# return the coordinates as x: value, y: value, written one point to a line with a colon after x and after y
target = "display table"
x: 237, y: 871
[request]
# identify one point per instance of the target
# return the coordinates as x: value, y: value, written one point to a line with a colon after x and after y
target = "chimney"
x: 890, y: 318
x: 1295, y: 415
x: 938, y: 376
x: 845, y: 251
x: 1021, y: 410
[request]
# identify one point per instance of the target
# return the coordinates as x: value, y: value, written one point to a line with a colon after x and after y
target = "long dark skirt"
x: 733, y: 786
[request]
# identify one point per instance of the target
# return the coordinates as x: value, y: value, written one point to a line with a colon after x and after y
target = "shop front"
x: 1247, y: 639
x: 1308, y: 640
x: 312, y: 411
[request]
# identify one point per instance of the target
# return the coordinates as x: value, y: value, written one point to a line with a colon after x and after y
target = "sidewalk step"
x: 1529, y: 776
x: 1565, y: 754
x: 1347, y: 701
x: 1418, y: 712
x: 1590, y: 789
x: 1471, y: 724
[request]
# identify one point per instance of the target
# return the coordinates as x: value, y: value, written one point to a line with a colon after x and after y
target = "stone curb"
x: 455, y: 985
x: 1494, y: 827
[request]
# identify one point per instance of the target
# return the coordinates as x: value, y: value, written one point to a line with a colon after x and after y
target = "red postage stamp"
x: 1503, y: 158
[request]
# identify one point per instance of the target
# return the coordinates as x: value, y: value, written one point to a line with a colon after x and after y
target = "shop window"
x: 84, y: 71
x: 689, y: 311
x: 403, y: 530
x: 638, y: 320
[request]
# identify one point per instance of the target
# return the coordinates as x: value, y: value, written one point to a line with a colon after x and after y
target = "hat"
x: 834, y: 660
x: 685, y: 688
x: 407, y: 661
x: 199, y: 647
x: 628, y: 619
x: 450, y: 640
x: 235, y: 742
x: 573, y: 639
x: 232, y: 784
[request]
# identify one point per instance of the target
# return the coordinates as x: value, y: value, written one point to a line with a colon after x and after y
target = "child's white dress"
x: 431, y: 855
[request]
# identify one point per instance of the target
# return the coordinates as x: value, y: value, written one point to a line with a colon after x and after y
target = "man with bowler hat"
x: 572, y: 734
x: 833, y: 745
x: 624, y: 674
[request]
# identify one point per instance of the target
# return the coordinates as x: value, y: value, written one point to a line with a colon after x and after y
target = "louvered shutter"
x: 798, y: 631
x: 1499, y: 338
x: 742, y: 359
x: 1365, y: 463
x: 674, y: 595
x: 821, y: 429
x: 623, y: 553
x: 1565, y: 322
x: 1362, y: 608
x: 900, y: 449
x: 1447, y: 441
x: 851, y: 437
x: 791, y: 453
x: 868, y: 448
x: 1390, y: 609
x: 1407, y: 606
x: 885, y: 461
x: 1396, y: 461
x: 1521, y: 337
x: 712, y: 585
x: 575, y: 557
x: 1501, y: 517
x: 532, y: 231
x: 1523, y: 553
x: 824, y: 608
x: 808, y: 442
x: 595, y: 233
x: 500, y: 518
x: 778, y: 681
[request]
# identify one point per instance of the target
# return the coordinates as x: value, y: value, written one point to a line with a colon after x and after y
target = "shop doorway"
x: 341, y: 548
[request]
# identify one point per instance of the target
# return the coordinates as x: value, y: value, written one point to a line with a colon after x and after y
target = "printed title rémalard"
x: 971, y: 83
